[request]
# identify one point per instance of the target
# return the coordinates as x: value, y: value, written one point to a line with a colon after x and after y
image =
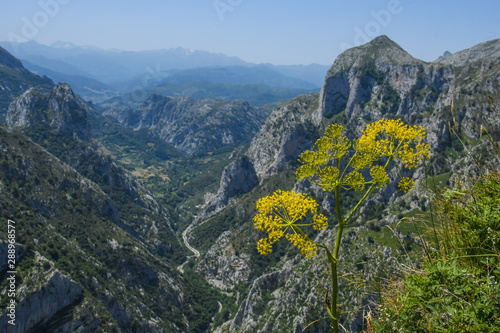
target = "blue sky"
x: 259, y: 31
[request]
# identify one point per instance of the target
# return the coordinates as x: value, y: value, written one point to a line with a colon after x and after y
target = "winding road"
x: 196, y: 253
x: 184, y: 238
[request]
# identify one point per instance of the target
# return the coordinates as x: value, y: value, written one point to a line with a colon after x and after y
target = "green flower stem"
x: 333, y: 263
x: 333, y: 259
x: 362, y: 199
x: 332, y: 306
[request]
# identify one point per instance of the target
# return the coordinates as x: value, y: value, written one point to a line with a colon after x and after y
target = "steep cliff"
x: 110, y: 245
x: 78, y: 262
x: 285, y: 134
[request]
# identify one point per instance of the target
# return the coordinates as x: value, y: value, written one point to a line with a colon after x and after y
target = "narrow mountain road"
x: 196, y: 253
x: 184, y: 238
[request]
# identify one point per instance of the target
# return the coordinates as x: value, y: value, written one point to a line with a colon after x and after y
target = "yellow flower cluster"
x: 386, y: 138
x: 277, y: 215
x: 406, y: 184
x: 392, y: 138
x: 379, y: 176
x: 307, y: 248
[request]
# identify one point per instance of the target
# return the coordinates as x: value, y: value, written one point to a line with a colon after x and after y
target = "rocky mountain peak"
x: 15, y: 79
x: 154, y: 99
x: 445, y: 54
x: 381, y: 50
x: 60, y: 109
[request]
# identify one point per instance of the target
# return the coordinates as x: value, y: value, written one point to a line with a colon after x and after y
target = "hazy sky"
x: 259, y: 31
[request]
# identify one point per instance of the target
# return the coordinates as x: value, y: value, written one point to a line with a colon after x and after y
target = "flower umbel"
x: 278, y: 215
x: 406, y: 184
x: 382, y: 141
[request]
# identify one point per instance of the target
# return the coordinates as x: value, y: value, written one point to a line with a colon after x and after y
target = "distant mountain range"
x: 98, y: 74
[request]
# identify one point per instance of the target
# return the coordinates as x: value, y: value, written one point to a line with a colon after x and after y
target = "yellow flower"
x: 355, y: 180
x: 320, y: 222
x: 406, y: 184
x: 263, y: 246
x: 381, y: 140
x: 277, y: 215
x: 306, y: 247
x: 379, y: 176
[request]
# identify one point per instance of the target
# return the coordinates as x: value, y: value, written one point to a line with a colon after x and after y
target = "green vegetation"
x: 179, y: 180
x: 456, y: 285
x: 16, y: 82
x: 66, y: 225
x: 457, y: 289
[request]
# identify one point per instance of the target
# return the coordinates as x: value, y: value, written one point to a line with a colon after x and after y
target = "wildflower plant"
x: 334, y: 163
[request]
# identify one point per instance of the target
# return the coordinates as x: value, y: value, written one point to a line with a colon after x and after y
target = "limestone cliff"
x: 61, y: 110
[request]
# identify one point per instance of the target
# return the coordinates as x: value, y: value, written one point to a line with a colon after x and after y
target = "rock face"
x: 285, y: 134
x: 194, y: 125
x: 107, y: 231
x: 111, y: 238
x: 238, y: 178
x: 40, y: 307
x: 224, y: 269
x: 60, y: 110
x: 379, y: 79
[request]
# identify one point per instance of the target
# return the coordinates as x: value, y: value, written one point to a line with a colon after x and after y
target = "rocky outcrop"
x: 119, y: 257
x: 47, y: 118
x: 287, y: 132
x: 194, y: 125
x: 380, y: 79
x: 222, y: 267
x: 61, y: 110
x: 238, y: 178
x: 57, y: 293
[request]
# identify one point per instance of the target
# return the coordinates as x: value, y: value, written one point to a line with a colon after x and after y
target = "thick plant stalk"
x: 335, y: 285
x: 333, y: 259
